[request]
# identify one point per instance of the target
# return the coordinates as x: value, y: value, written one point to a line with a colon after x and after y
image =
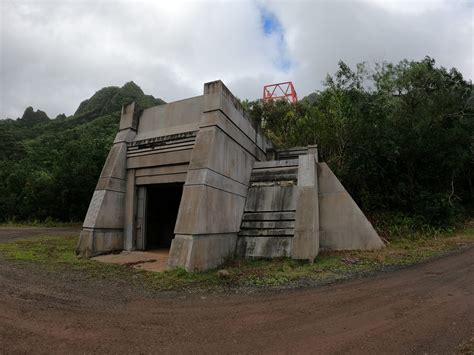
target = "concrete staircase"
x: 295, y: 206
x: 268, y: 222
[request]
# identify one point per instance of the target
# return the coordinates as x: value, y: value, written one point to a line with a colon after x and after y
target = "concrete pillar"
x: 306, y: 235
x: 215, y: 190
x: 129, y: 228
x: 104, y: 223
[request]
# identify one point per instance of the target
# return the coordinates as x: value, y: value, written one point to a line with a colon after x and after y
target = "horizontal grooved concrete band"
x: 160, y: 151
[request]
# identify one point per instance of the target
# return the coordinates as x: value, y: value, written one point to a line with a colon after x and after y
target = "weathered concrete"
x: 103, y: 227
x: 343, y: 225
x: 214, y: 193
x: 153, y: 260
x: 268, y: 222
x: 233, y: 192
x: 201, y: 252
x: 306, y: 238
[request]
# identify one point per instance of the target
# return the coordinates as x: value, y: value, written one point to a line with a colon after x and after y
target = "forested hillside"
x: 49, y: 167
x: 400, y: 137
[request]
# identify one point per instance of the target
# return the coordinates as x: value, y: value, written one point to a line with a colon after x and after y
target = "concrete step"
x: 271, y: 198
x: 267, y: 224
x: 267, y: 232
x: 274, y: 172
x: 269, y: 216
x: 291, y: 153
x: 275, y: 163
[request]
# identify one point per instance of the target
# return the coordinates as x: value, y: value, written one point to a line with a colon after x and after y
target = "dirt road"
x: 8, y: 234
x: 427, y: 308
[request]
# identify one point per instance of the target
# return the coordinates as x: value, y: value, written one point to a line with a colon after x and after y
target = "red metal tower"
x: 280, y: 91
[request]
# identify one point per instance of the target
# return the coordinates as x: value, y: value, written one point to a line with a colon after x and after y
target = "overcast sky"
x: 54, y: 54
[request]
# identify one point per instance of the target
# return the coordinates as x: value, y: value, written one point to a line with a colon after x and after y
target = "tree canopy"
x: 399, y: 136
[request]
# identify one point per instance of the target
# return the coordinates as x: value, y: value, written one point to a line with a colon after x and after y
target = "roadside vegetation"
x: 56, y: 254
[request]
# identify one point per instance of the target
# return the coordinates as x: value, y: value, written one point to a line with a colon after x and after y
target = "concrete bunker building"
x: 199, y: 177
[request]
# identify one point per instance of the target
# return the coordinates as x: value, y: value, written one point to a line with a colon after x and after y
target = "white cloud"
x: 320, y: 34
x: 55, y: 54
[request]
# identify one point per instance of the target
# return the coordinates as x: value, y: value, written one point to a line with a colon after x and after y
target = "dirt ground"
x: 428, y: 308
x: 8, y: 234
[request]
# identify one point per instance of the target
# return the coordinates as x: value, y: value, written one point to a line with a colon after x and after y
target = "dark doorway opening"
x: 161, y: 212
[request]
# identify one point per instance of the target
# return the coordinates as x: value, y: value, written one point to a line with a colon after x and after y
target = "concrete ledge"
x: 275, y: 164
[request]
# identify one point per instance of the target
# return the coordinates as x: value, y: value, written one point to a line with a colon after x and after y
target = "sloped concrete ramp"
x: 343, y: 225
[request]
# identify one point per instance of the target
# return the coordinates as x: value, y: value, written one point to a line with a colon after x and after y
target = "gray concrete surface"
x: 239, y: 195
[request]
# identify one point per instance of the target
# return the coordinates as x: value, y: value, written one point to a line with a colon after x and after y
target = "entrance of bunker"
x: 162, y: 204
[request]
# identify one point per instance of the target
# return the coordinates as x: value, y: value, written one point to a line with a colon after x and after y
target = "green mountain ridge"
x: 111, y: 99
x: 49, y: 167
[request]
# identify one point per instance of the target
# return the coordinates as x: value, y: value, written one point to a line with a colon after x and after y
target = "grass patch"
x: 56, y: 254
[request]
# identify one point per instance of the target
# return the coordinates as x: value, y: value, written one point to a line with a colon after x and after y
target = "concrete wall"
x: 172, y: 118
x: 306, y: 237
x: 103, y: 226
x: 215, y: 190
x: 343, y: 225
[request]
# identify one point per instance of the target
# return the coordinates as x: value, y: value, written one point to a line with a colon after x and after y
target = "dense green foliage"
x: 49, y: 168
x: 400, y: 137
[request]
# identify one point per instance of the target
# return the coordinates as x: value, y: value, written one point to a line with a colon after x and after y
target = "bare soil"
x: 8, y: 234
x: 427, y: 308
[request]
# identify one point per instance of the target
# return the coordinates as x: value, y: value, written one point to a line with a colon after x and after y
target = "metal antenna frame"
x: 280, y: 91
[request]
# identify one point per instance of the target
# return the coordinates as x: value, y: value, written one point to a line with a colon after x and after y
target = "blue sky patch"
x: 270, y: 23
x: 271, y: 26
